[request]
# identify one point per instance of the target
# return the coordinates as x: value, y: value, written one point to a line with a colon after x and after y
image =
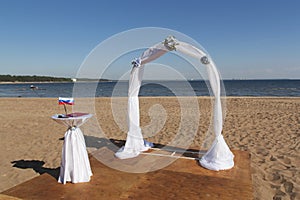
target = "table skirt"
x: 75, y: 165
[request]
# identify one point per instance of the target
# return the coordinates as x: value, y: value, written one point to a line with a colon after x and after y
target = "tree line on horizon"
x: 34, y: 78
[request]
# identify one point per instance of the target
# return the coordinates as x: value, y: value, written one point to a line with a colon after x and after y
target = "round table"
x: 75, y: 166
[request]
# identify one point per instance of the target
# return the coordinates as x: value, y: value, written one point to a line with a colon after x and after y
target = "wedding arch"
x: 219, y: 156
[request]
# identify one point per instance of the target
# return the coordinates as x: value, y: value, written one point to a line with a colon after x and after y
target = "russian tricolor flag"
x: 65, y: 101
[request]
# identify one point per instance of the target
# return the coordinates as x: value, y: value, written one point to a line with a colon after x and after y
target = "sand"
x: 268, y: 128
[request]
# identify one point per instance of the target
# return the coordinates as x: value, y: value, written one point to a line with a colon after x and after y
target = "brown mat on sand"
x: 183, y: 179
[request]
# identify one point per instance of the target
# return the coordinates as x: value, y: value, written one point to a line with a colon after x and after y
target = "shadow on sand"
x: 114, y: 145
x: 37, y: 166
x: 98, y: 143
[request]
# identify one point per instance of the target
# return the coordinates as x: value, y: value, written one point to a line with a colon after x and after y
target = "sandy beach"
x: 266, y: 127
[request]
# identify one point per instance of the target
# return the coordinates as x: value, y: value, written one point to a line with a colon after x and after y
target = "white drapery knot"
x: 136, y: 62
x: 170, y: 43
x: 204, y: 60
x: 72, y: 128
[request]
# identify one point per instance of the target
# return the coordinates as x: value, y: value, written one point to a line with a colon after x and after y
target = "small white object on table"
x: 75, y: 166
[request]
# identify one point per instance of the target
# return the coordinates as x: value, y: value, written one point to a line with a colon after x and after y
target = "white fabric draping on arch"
x: 219, y: 156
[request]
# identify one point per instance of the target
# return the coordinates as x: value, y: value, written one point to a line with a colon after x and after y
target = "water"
x: 255, y: 88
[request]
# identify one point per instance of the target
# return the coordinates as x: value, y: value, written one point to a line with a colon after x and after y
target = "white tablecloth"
x: 75, y: 165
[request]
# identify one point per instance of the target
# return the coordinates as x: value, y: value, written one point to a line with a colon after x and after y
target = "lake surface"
x: 255, y: 88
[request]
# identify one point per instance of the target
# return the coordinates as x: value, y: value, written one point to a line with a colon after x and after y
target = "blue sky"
x: 247, y: 39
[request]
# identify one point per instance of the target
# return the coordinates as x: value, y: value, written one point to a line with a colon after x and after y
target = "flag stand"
x: 65, y: 109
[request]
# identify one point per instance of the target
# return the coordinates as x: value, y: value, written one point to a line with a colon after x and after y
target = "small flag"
x: 65, y: 101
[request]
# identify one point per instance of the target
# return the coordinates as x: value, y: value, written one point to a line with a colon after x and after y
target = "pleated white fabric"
x: 219, y: 156
x: 134, y: 141
x: 75, y: 165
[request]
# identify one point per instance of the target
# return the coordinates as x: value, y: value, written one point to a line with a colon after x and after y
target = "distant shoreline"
x: 41, y: 82
x: 17, y: 82
x: 107, y: 80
